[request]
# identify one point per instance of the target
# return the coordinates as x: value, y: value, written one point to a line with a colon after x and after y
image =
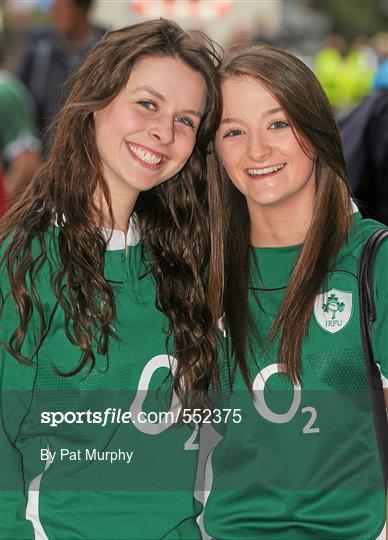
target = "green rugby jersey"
x: 126, y: 479
x: 304, y: 462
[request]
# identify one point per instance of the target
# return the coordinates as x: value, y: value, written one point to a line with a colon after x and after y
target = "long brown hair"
x: 303, y: 100
x: 171, y: 217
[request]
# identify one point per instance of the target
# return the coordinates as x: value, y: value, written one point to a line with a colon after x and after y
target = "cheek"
x: 108, y: 134
x: 186, y: 146
x: 303, y: 162
x: 114, y: 121
x: 99, y: 133
x: 136, y: 118
x: 103, y: 123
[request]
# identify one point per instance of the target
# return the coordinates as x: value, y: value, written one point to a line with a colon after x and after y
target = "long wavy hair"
x: 305, y: 104
x: 172, y: 217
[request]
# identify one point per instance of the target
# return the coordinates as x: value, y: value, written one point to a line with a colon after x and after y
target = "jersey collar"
x: 119, y: 240
x: 115, y: 239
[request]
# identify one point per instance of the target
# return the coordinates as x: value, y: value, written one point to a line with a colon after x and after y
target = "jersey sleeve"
x: 17, y: 121
x: 380, y: 327
x: 16, y: 387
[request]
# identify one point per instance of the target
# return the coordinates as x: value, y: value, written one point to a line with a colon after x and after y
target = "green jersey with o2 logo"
x: 304, y: 461
x: 118, y: 470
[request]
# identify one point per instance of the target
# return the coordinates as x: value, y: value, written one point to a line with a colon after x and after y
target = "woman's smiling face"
x: 148, y: 132
x: 259, y: 150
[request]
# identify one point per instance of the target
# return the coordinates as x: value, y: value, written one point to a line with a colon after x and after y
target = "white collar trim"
x: 354, y: 207
x: 117, y: 239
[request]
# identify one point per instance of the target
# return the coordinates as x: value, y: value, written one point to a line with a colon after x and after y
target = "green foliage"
x: 352, y: 18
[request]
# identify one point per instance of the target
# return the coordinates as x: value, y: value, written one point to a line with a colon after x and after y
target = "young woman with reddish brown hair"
x: 104, y: 326
x: 306, y: 459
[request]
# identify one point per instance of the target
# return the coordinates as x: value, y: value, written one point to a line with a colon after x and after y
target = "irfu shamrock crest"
x: 333, y: 309
x: 333, y: 305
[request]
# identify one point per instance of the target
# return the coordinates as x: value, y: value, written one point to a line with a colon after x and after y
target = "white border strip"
x: 32, y: 509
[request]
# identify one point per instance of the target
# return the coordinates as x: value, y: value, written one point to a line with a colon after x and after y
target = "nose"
x: 163, y: 130
x: 258, y: 147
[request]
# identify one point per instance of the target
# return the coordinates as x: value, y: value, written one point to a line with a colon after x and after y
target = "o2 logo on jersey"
x: 157, y: 362
x: 262, y: 408
x: 333, y: 309
x: 163, y: 361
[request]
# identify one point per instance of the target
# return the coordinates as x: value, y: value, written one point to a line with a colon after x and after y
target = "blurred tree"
x: 351, y: 18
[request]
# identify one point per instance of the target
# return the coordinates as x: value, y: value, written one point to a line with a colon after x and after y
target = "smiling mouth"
x: 265, y: 170
x: 145, y: 155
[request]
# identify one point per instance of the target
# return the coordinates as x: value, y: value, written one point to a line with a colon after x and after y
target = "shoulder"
x: 27, y: 277
x: 41, y: 33
x: 382, y: 99
x: 99, y: 31
x: 380, y: 270
x: 35, y: 38
x: 379, y: 113
x: 360, y: 232
x: 349, y: 258
x: 43, y: 252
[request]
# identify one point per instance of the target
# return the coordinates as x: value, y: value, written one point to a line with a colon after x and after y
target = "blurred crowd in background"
x: 344, y: 42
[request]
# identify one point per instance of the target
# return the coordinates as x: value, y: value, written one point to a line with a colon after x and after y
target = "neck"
x: 277, y: 227
x: 122, y: 209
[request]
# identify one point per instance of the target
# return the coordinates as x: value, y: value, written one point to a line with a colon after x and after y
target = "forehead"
x: 245, y: 92
x: 170, y: 77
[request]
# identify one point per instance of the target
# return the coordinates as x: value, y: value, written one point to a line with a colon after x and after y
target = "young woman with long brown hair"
x: 104, y: 327
x: 304, y: 462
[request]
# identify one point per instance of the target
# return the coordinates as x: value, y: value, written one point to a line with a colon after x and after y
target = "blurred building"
x: 218, y: 18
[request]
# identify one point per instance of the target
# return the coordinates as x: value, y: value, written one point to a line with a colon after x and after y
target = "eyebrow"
x: 194, y: 113
x: 231, y: 120
x: 273, y: 111
x: 150, y: 90
x: 161, y: 97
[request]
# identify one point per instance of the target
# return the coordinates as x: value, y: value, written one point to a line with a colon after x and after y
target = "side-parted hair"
x: 307, y: 109
x: 172, y: 217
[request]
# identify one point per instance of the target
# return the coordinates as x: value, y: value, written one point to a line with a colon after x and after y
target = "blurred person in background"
x: 365, y: 52
x: 53, y: 54
x: 19, y: 144
x: 327, y: 67
x: 346, y: 75
x: 361, y: 64
x: 365, y: 140
x: 380, y: 44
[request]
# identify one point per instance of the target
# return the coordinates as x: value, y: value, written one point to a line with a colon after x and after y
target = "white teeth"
x: 266, y: 170
x: 144, y: 155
